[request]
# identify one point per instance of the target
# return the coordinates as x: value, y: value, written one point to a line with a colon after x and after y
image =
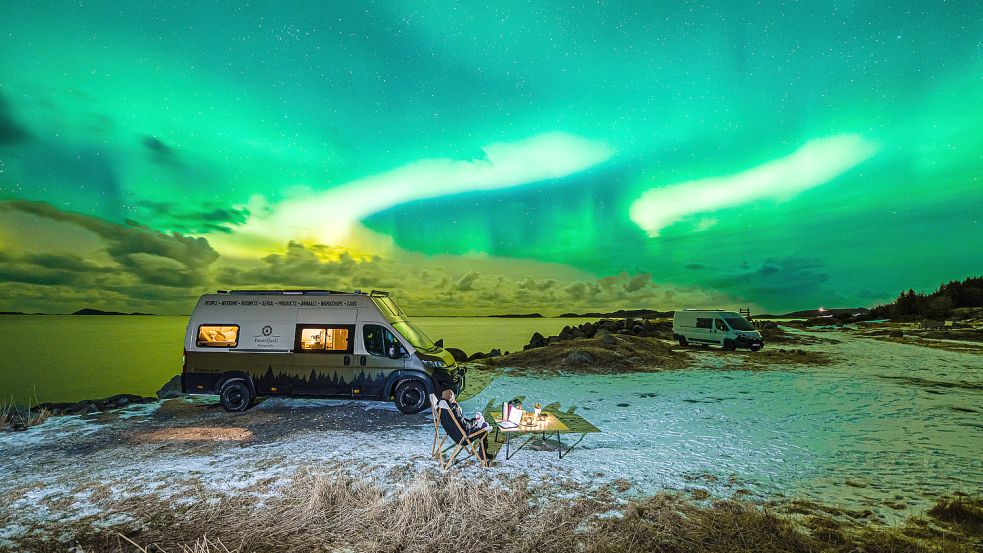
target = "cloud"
x: 154, y: 257
x: 775, y: 276
x: 159, y: 152
x: 466, y: 284
x: 326, y: 217
x: 817, y: 162
x: 11, y: 132
x: 195, y: 219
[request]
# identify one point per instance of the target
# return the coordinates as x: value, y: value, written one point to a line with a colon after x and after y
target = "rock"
x: 566, y: 333
x: 601, y: 333
x: 624, y: 331
x: 578, y: 357
x: 577, y: 333
x: 537, y: 341
x: 552, y: 339
x: 457, y: 354
x: 172, y: 389
x: 638, y: 329
x: 477, y: 355
x: 609, y: 340
x: 495, y: 353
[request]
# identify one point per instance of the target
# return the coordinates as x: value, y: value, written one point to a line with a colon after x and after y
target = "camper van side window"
x: 377, y: 339
x: 218, y: 336
x: 704, y: 323
x: 720, y: 325
x: 324, y: 339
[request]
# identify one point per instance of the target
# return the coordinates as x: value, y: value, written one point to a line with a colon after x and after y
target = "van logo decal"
x: 267, y: 330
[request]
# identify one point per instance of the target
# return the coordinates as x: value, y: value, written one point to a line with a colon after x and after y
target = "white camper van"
x: 728, y: 329
x: 242, y: 344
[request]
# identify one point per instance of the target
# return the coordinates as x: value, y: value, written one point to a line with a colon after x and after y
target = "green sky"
x: 490, y: 158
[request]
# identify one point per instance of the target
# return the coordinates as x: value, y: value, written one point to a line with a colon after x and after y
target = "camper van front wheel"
x: 411, y: 396
x: 235, y: 396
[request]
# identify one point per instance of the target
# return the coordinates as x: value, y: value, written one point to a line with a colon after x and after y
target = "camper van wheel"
x: 755, y: 348
x: 729, y: 345
x: 235, y: 396
x: 682, y: 341
x: 411, y: 396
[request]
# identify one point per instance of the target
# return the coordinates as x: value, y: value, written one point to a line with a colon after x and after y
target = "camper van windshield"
x: 739, y: 323
x: 413, y: 335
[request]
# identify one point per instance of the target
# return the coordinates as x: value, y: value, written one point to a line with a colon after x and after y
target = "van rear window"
x: 218, y: 336
x: 332, y: 339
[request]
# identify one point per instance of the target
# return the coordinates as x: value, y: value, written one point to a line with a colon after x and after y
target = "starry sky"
x: 481, y: 158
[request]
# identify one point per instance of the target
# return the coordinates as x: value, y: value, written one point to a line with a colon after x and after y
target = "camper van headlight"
x: 433, y: 364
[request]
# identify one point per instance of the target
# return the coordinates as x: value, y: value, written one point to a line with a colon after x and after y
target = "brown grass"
x: 13, y: 417
x: 325, y: 511
x: 961, y: 511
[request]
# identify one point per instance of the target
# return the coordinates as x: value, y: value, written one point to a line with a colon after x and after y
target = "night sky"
x: 475, y: 159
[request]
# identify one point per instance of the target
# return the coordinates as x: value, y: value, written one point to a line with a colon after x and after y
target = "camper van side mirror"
x: 439, y: 343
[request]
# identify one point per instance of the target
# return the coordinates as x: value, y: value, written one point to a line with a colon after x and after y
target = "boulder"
x: 477, y: 355
x: 457, y: 354
x: 638, y: 329
x: 172, y: 389
x: 578, y: 357
x: 495, y: 353
x: 537, y: 341
x: 609, y: 340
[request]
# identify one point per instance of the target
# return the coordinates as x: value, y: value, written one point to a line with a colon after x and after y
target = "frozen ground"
x: 887, y: 426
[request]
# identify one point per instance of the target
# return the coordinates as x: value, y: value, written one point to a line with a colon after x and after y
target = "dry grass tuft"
x: 961, y: 511
x: 13, y: 417
x: 325, y: 511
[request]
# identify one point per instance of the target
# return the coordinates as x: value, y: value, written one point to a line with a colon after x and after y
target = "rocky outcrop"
x: 605, y: 327
x: 457, y: 354
x: 171, y: 389
x: 88, y: 406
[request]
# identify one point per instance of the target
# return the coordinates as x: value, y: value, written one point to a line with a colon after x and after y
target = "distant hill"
x: 90, y: 311
x: 519, y: 316
x: 623, y: 313
x: 813, y: 313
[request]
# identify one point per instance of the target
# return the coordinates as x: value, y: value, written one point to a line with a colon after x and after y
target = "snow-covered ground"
x: 884, y: 424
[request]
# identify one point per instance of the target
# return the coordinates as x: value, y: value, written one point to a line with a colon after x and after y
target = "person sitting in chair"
x: 470, y: 426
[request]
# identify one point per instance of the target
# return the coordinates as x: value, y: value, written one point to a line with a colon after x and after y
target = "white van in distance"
x: 312, y: 343
x: 727, y: 329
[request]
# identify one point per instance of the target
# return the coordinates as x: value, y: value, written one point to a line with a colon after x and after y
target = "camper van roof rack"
x: 283, y: 292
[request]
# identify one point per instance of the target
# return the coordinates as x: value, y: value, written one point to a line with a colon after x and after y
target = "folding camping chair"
x: 438, y: 441
x: 471, y: 443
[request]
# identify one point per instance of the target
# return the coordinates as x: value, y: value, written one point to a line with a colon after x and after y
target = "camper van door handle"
x: 361, y: 360
x: 348, y: 360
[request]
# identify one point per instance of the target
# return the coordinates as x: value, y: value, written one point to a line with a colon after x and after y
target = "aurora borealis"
x: 476, y: 159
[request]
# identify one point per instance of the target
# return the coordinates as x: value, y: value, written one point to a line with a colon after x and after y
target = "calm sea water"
x: 69, y: 358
